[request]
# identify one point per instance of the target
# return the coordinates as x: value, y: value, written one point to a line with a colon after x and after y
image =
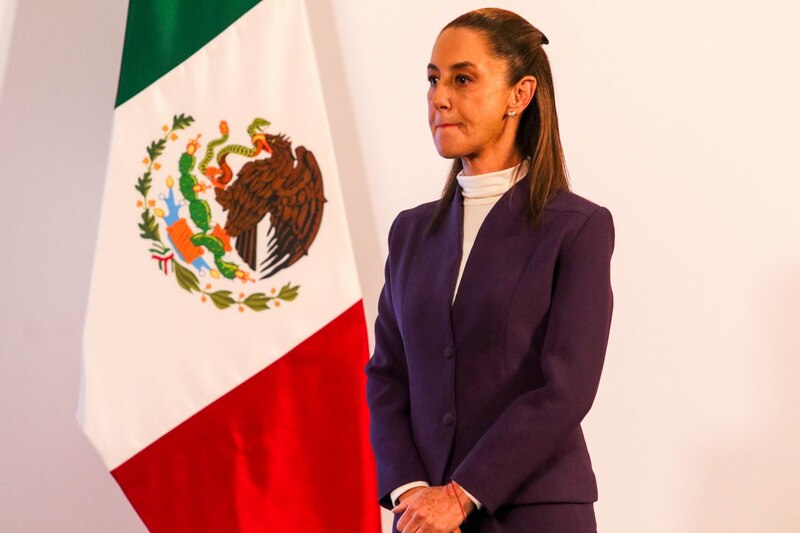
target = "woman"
x: 494, y: 318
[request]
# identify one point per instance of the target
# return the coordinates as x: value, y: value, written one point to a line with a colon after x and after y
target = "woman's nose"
x: 440, y: 97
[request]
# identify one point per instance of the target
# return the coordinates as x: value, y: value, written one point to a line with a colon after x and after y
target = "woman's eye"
x: 462, y: 80
x: 432, y: 80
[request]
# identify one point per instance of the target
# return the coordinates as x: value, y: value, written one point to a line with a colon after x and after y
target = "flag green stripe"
x: 162, y: 34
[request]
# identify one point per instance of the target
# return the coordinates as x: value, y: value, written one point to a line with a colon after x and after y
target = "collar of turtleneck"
x: 489, y: 187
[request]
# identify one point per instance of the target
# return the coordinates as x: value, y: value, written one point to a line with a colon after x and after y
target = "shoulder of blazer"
x: 412, y: 221
x: 565, y: 200
x: 424, y: 211
x: 571, y: 212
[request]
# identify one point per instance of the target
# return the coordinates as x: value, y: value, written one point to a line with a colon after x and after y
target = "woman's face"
x: 468, y: 97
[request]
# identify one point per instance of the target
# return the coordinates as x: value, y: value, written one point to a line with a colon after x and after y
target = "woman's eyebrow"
x: 455, y: 66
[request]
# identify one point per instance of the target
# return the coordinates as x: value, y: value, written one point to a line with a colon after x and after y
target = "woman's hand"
x: 432, y: 510
x: 409, y: 493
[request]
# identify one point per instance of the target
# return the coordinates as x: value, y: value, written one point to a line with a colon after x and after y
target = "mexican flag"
x: 225, y: 337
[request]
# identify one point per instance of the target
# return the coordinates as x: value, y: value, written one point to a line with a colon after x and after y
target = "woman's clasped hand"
x: 432, y: 510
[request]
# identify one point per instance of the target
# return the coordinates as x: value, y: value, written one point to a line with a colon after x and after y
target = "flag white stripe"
x: 153, y: 354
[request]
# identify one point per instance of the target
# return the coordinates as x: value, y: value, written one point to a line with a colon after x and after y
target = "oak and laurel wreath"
x: 257, y: 301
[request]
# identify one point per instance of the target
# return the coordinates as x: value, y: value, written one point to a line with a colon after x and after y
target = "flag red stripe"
x: 287, y: 450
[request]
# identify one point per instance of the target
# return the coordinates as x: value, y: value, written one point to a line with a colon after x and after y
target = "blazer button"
x: 449, y: 352
x: 448, y: 419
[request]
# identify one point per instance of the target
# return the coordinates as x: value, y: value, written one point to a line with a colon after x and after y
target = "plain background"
x: 681, y: 117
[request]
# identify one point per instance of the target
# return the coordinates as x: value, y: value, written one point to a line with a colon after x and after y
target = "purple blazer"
x: 491, y: 391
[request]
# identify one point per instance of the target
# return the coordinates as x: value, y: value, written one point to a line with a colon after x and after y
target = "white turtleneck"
x: 481, y: 192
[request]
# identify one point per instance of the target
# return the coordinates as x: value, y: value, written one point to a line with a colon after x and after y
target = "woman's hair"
x: 514, y: 40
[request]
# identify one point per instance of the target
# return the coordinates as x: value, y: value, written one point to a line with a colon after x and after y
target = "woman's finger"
x: 400, y: 507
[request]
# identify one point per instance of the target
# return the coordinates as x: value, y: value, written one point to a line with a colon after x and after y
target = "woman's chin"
x: 448, y: 152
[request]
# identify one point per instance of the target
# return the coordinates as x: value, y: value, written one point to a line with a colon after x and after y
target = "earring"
x: 512, y: 113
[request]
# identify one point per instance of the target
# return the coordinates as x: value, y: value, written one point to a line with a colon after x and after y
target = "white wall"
x: 682, y: 118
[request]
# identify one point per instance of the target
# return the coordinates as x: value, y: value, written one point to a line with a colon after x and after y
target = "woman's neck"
x: 485, y: 163
x: 489, y: 186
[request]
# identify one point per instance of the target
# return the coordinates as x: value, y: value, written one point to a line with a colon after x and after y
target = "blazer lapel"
x: 503, y: 247
x: 499, y: 253
x: 433, y: 277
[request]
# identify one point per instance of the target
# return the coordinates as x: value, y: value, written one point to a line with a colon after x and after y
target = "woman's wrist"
x: 464, y: 502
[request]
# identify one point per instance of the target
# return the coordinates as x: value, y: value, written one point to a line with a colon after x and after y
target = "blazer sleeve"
x: 531, y: 428
x: 396, y: 455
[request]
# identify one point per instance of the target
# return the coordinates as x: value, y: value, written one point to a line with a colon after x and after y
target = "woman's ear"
x: 522, y: 94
